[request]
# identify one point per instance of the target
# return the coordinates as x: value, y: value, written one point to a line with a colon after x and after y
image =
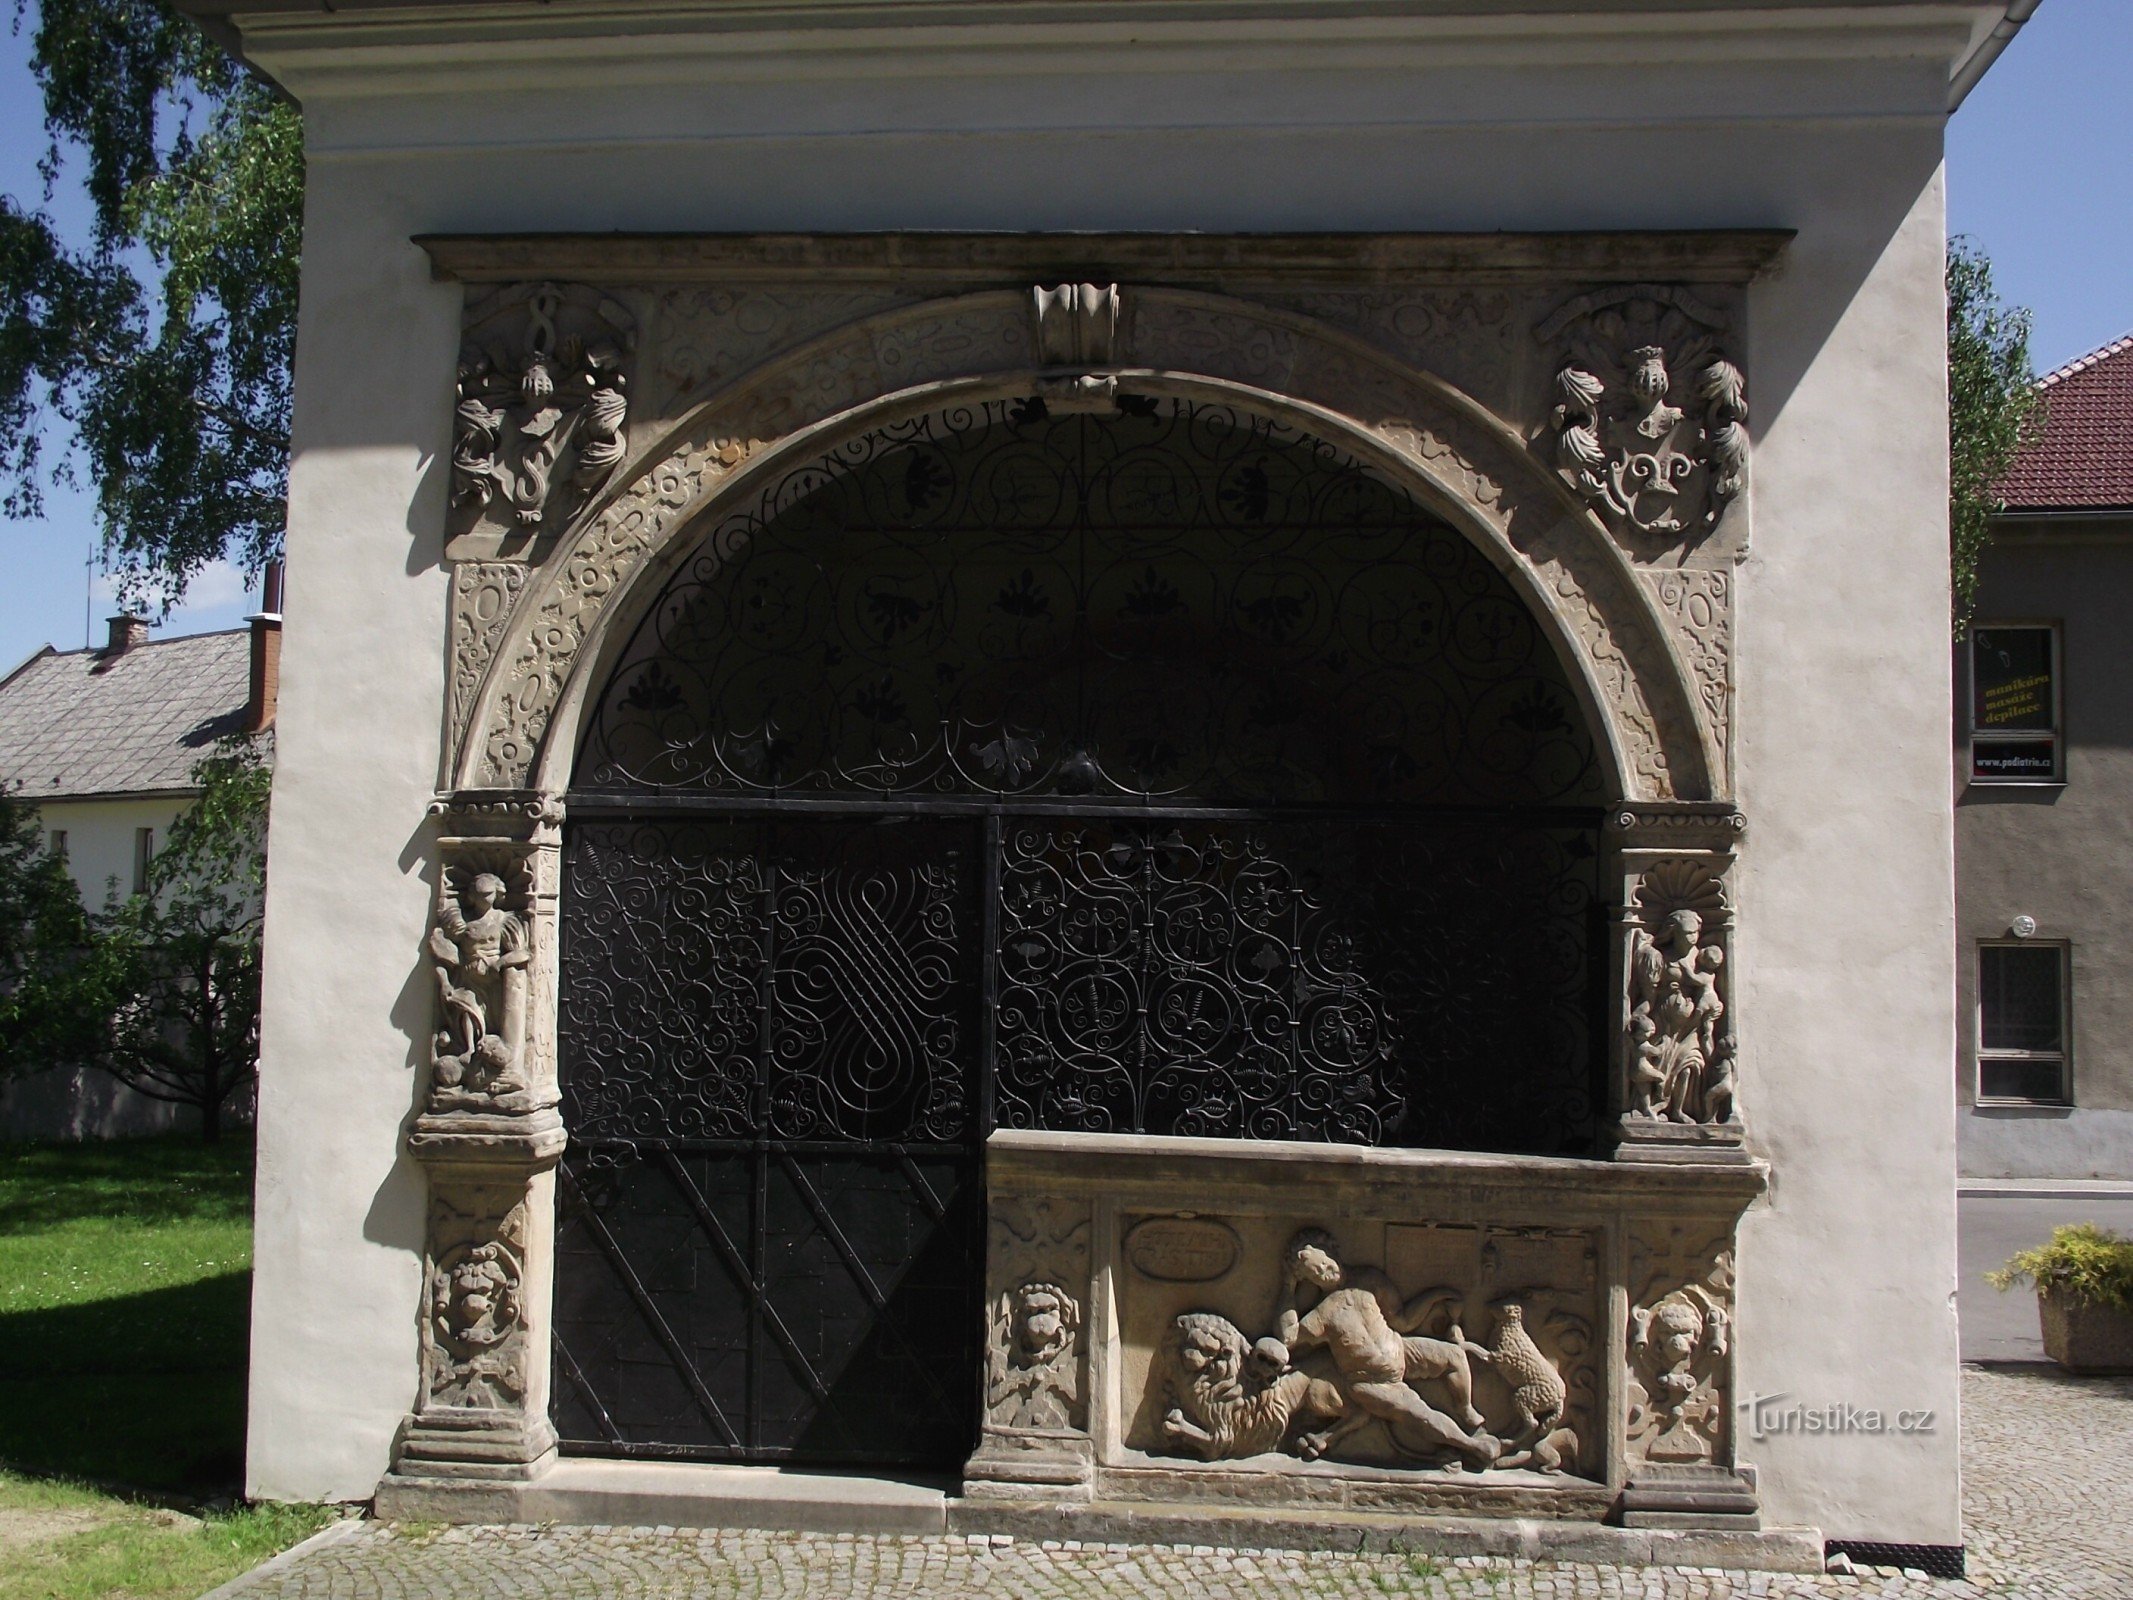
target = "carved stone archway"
x: 738, y: 388
x: 527, y: 644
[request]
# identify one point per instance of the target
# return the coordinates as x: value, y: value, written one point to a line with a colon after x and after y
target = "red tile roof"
x: 2084, y: 458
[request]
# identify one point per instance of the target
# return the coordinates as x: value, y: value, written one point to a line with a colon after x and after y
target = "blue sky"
x: 2040, y: 172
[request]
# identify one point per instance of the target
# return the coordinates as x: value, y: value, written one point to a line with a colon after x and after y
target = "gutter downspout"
x: 1981, y: 59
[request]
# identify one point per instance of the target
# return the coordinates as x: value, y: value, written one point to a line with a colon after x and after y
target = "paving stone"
x: 2047, y: 1505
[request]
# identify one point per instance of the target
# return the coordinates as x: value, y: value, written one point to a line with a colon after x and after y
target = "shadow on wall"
x: 80, y: 1105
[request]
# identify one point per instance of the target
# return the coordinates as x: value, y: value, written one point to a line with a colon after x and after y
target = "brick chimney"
x: 127, y: 631
x: 266, y: 653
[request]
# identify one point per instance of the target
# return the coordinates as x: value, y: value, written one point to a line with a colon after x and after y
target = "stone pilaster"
x: 489, y: 1140
x: 1677, y: 1045
x: 1039, y: 1295
x: 1679, y: 1378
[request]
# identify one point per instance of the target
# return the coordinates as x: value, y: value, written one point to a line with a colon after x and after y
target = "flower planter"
x: 2083, y: 1336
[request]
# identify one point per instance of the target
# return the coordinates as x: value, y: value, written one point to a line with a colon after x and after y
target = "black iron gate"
x: 1165, y: 773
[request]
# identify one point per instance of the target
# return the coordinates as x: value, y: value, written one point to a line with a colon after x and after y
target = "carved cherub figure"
x: 481, y: 951
x: 1357, y: 1315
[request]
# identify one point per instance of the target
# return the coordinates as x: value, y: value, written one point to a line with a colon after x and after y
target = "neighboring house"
x: 2044, y: 835
x: 103, y: 742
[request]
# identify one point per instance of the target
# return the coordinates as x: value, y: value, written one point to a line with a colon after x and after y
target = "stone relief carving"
x: 1038, y: 1264
x: 543, y: 402
x: 1680, y: 1334
x: 918, y: 347
x: 1469, y: 337
x: 1383, y: 1357
x: 1033, y: 1358
x: 1698, y: 607
x: 481, y: 947
x: 705, y: 338
x: 474, y: 1321
x: 1680, y: 1047
x: 483, y: 594
x: 1650, y: 419
x: 522, y: 668
x: 1074, y: 324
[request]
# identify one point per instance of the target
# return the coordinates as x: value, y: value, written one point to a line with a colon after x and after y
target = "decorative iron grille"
x: 1166, y: 773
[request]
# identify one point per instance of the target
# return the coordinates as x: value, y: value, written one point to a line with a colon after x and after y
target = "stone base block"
x: 1016, y: 1463
x: 1650, y: 1140
x: 1689, y: 1497
x: 497, y: 1446
x: 582, y: 1493
x: 1268, y: 1528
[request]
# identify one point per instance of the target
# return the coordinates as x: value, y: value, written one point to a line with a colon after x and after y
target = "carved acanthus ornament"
x: 542, y: 406
x: 1650, y: 415
x: 474, y: 1333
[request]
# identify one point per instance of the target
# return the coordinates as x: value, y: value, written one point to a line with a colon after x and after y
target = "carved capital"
x: 543, y: 402
x: 1075, y: 324
x: 1651, y: 412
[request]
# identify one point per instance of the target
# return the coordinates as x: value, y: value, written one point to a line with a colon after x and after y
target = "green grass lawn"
x: 125, y: 1288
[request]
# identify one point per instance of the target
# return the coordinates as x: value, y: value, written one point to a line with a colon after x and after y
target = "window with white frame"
x: 2022, y: 1056
x: 2014, y: 704
x: 144, y: 854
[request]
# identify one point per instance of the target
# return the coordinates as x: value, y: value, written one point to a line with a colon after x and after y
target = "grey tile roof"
x: 80, y: 722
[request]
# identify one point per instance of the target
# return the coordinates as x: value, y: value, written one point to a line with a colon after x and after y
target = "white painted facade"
x: 1425, y: 117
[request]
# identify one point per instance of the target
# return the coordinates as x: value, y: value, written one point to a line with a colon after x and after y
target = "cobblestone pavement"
x: 2048, y: 1503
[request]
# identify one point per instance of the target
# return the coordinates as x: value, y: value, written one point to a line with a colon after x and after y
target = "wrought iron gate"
x: 1166, y: 773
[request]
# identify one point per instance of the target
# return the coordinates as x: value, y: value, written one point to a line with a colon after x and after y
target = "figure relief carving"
x: 1650, y: 419
x: 1374, y: 1356
x: 1075, y: 324
x: 1033, y: 1359
x: 543, y: 403
x: 1680, y: 1048
x: 482, y: 950
x: 1680, y: 1335
x: 474, y: 1326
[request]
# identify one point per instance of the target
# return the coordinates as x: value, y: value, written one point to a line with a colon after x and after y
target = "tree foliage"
x: 1993, y: 403
x: 172, y: 973
x: 161, y: 988
x: 43, y: 928
x: 159, y: 348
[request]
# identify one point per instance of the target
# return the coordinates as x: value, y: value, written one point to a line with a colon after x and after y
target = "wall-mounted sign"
x: 2014, y: 704
x: 1181, y: 1249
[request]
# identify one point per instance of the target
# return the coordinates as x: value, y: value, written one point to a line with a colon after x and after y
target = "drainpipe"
x: 1981, y: 59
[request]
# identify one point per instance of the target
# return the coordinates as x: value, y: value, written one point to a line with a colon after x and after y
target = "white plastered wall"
x: 1844, y: 947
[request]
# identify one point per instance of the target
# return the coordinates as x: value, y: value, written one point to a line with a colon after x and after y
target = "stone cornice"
x: 940, y: 262
x: 397, y: 47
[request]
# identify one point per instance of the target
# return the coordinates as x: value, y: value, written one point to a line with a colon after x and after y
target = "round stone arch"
x: 572, y: 618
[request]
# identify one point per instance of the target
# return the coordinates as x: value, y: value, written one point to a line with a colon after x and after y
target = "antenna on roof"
x: 88, y: 587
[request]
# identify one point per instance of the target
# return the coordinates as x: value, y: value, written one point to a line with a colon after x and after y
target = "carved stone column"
x: 489, y: 1139
x: 1677, y: 1046
x: 1038, y: 1295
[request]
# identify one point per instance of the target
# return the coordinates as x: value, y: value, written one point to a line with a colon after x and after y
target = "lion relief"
x: 1231, y: 1399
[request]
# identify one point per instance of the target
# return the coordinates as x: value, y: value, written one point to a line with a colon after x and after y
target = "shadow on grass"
x: 140, y: 1181
x: 146, y: 1390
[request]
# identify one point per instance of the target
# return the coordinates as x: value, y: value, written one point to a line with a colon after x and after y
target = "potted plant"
x: 2084, y: 1280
